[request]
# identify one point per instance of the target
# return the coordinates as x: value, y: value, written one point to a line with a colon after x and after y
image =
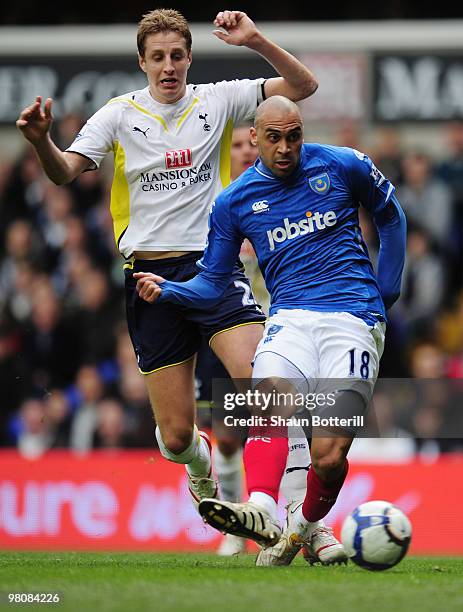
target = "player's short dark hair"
x: 162, y: 20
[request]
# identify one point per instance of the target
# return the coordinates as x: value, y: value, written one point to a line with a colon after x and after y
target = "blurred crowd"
x: 67, y: 370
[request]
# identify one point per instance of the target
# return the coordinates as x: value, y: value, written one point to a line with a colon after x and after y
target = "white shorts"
x: 318, y: 346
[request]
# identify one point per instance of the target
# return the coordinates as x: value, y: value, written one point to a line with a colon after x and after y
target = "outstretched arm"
x: 296, y: 81
x: 34, y: 123
x: 202, y: 291
x: 205, y: 289
x: 392, y: 230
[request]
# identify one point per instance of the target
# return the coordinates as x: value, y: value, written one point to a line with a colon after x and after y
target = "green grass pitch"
x: 169, y: 582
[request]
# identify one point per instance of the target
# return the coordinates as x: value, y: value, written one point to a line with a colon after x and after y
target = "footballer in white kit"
x: 170, y: 160
x: 171, y: 153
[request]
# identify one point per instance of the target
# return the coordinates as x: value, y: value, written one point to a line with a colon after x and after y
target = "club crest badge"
x: 272, y: 330
x: 320, y: 183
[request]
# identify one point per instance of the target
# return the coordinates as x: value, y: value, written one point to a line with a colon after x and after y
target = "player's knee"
x: 178, y: 440
x: 276, y: 392
x: 267, y: 385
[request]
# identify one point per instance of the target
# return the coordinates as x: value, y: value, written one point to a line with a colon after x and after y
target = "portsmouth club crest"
x: 271, y: 332
x: 320, y: 183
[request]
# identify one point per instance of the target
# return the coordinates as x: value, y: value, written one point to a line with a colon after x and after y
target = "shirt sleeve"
x: 377, y: 194
x: 392, y: 230
x: 96, y: 138
x: 242, y: 96
x: 216, y: 266
x: 369, y: 185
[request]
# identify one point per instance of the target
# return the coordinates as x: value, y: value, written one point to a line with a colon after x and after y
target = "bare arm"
x: 60, y: 166
x: 296, y: 81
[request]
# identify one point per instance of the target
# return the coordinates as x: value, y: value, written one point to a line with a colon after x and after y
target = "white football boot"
x: 246, y: 520
x: 316, y: 540
x: 291, y: 540
x: 206, y: 487
x: 323, y: 547
x: 231, y: 545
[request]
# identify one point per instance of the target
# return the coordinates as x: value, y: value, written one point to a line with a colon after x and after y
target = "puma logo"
x: 137, y: 129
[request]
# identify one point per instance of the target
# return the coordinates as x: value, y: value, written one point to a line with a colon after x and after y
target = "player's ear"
x: 190, y: 58
x: 142, y: 62
x: 253, y: 134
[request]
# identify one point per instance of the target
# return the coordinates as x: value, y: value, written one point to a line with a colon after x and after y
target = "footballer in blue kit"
x: 178, y: 136
x: 298, y: 206
x: 306, y: 235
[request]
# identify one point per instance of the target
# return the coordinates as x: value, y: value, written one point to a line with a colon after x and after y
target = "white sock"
x: 200, y: 465
x: 264, y: 501
x: 300, y: 524
x: 294, y: 482
x: 196, y: 458
x: 229, y: 471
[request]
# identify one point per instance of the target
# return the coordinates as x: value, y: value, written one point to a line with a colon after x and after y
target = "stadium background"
x: 74, y: 410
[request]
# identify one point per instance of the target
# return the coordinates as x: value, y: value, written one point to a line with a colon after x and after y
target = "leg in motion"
x: 178, y: 438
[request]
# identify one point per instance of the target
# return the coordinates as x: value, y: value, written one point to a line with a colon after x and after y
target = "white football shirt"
x: 170, y: 160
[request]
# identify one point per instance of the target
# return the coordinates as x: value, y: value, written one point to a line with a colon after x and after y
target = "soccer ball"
x: 376, y: 535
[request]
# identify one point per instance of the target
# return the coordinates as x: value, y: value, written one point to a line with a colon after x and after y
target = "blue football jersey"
x: 305, y: 232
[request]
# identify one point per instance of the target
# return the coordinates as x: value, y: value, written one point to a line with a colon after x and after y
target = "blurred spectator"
x: 348, y: 135
x: 427, y: 360
x: 124, y: 349
x: 388, y: 156
x: 57, y: 206
x: 450, y: 336
x: 6, y: 169
x: 435, y: 414
x: 58, y: 418
x: 140, y: 415
x: 50, y: 340
x: 24, y: 190
x: 21, y: 246
x: 423, y: 284
x: 97, y: 318
x: 65, y: 130
x: 243, y: 152
x: 20, y: 296
x: 76, y: 265
x: 111, y: 431
x: 77, y: 256
x: 34, y: 438
x: 451, y: 173
x: 426, y: 200
x: 90, y: 390
x: 88, y: 191
x: 74, y: 242
x: 132, y: 390
x: 450, y: 169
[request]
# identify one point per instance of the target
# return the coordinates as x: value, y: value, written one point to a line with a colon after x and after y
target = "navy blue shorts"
x: 167, y: 334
